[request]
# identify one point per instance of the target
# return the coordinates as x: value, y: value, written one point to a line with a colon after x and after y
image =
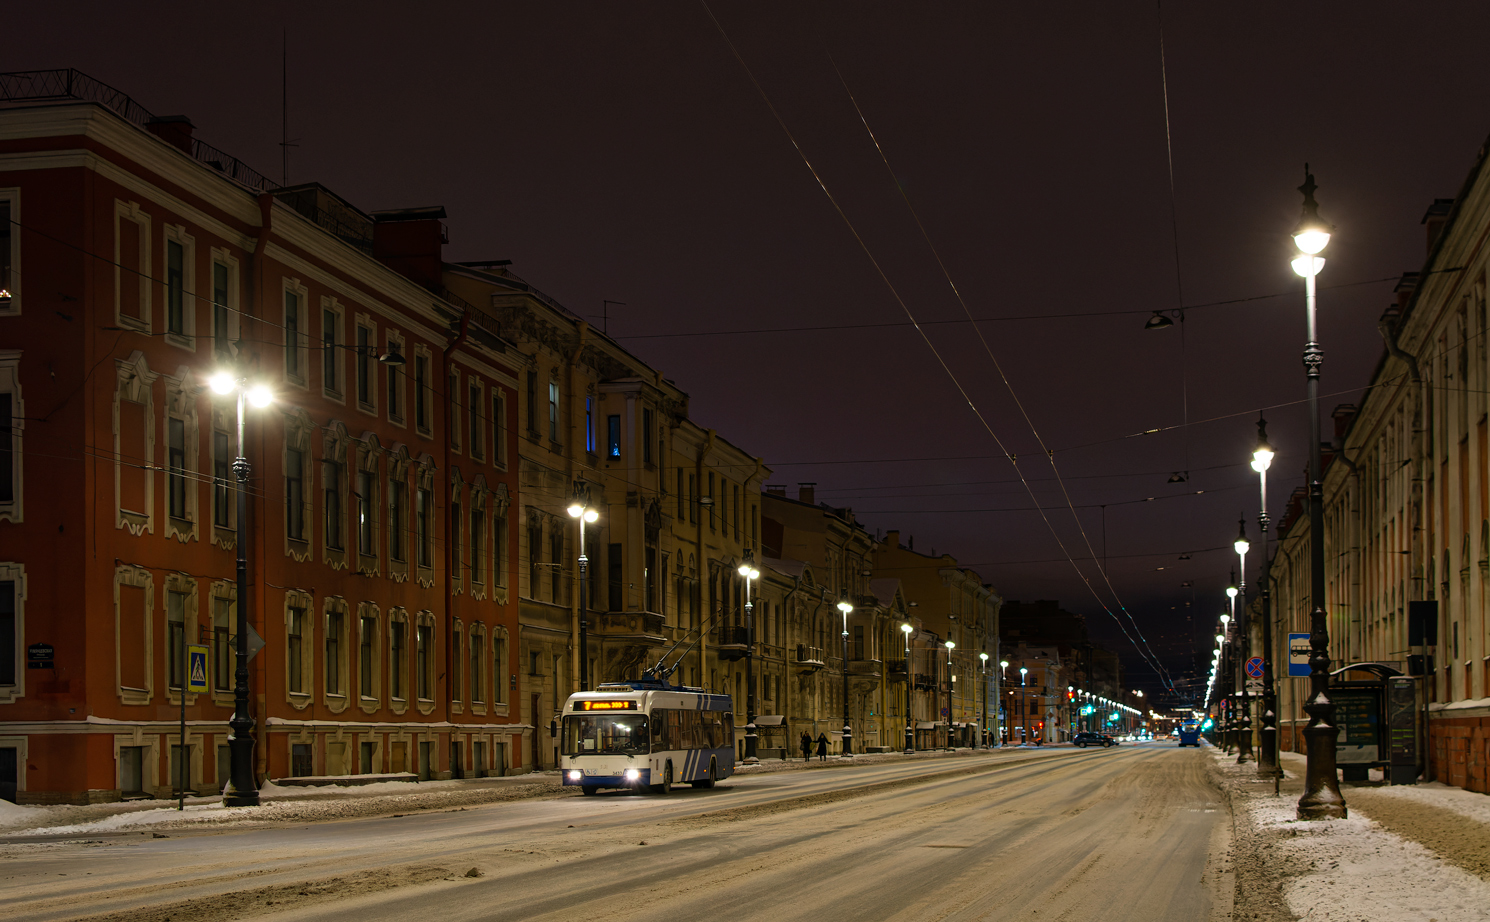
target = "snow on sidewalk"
x: 1353, y: 870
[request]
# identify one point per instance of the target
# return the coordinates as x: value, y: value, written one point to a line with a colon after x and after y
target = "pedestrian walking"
x: 822, y: 748
x: 806, y: 744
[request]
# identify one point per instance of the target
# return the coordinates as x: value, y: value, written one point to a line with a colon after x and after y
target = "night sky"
x: 620, y: 151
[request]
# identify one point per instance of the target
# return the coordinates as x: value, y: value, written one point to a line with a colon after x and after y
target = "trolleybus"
x: 646, y: 735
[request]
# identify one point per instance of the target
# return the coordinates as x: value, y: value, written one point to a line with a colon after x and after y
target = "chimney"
x: 1343, y: 415
x: 410, y: 241
x: 1435, y: 218
x: 175, y: 130
x: 776, y: 489
x: 807, y: 493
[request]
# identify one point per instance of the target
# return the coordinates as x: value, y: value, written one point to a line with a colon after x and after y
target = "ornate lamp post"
x: 910, y: 680
x: 1322, y: 798
x: 1241, y: 652
x: 242, y: 791
x: 747, y: 569
x: 1003, y: 665
x: 983, y: 683
x: 1227, y: 681
x: 1024, y: 719
x: 580, y: 511
x: 1267, y: 760
x: 950, y: 679
x: 844, y: 606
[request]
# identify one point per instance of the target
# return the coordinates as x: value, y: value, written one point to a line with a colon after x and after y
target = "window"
x: 131, y: 264
x: 455, y: 664
x: 223, y: 496
x: 175, y: 638
x: 590, y: 425
x: 367, y: 655
x: 555, y: 557
x: 498, y: 669
x: 366, y: 542
x: 175, y: 288
x: 398, y: 521
x: 221, y: 311
x: 535, y: 551
x: 364, y: 365
x: 613, y: 565
x: 499, y: 546
x: 613, y: 436
x: 334, y: 624
x: 426, y: 640
x: 395, y: 374
x: 553, y: 411
x: 331, y: 342
x: 452, y: 395
x: 456, y: 524
x: 735, y: 509
x: 331, y: 474
x: 858, y: 641
x: 421, y: 393
x: 223, y: 659
x: 478, y: 533
x: 424, y: 501
x: 10, y: 252
x: 498, y: 429
x: 474, y: 429
x: 531, y: 398
x: 646, y: 435
x: 294, y: 340
x: 176, y: 467
x: 693, y: 499
x: 295, y: 494
x: 478, y: 690
x: 713, y: 506
x: 294, y: 651
x: 396, y: 659
x: 682, y: 498
x: 10, y: 634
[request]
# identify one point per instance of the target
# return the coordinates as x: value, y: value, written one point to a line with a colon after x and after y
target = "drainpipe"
x: 447, y: 355
x: 1388, y: 327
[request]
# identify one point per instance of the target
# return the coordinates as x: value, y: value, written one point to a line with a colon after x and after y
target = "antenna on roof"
x: 284, y: 108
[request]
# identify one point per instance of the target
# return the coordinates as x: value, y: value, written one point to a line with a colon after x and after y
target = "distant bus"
x: 1190, y: 733
x: 646, y: 735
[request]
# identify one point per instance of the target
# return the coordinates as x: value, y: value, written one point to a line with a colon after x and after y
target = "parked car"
x: 1083, y: 740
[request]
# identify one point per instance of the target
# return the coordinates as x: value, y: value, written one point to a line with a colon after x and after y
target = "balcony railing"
x: 728, y: 636
x: 809, y: 656
x: 865, y: 667
x: 630, y: 623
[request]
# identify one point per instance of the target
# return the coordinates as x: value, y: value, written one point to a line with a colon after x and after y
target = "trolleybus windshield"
x: 611, y: 734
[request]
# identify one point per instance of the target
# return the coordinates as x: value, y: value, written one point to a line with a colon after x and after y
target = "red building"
x: 136, y: 261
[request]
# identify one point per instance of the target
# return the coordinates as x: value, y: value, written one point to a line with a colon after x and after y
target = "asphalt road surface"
x: 1120, y: 835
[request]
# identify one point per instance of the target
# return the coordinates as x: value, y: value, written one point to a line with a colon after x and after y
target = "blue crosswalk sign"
x: 196, y: 669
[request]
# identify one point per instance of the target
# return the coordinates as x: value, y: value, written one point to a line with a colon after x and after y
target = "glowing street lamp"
x: 844, y: 607
x: 242, y: 791
x: 748, y: 570
x: 910, y: 677
x: 579, y: 510
x: 983, y: 680
x: 950, y: 679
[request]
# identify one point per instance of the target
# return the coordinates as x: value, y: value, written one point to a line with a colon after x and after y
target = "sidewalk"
x: 314, y: 804
x: 1410, y: 853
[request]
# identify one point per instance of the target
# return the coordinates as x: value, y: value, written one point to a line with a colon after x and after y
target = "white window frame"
x: 298, y: 430
x: 140, y: 578
x: 301, y: 348
x: 426, y: 399
x: 130, y: 211
x: 15, y: 572
x: 335, y: 391
x: 135, y: 383
x: 397, y: 377
x: 220, y: 256
x: 306, y: 602
x: 11, y: 195
x: 399, y: 615
x: 187, y: 338
x: 369, y: 703
x: 425, y: 618
x: 181, y: 404
x: 476, y: 438
x: 335, y: 445
x: 369, y: 461
x: 398, y: 472
x: 365, y: 322
x: 186, y: 586
x: 10, y: 383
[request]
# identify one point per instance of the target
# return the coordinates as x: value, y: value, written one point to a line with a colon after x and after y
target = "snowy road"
x: 1121, y: 835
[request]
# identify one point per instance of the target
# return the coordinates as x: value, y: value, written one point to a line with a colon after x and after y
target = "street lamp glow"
x: 1262, y: 455
x: 1231, y: 591
x: 1307, y: 266
x: 260, y: 396
x: 845, y: 607
x: 907, y: 628
x: 949, y: 645
x: 576, y: 509
x: 984, y: 658
x: 1225, y: 620
x: 1003, y: 664
x: 1242, y: 545
x: 1220, y: 638
x: 222, y: 383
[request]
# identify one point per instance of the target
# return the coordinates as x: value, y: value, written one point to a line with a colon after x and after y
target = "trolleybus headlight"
x: 576, y: 775
x: 632, y: 774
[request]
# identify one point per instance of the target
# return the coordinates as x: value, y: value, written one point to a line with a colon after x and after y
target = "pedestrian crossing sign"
x: 196, y: 669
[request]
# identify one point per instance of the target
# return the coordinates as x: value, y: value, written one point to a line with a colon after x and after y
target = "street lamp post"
x: 910, y: 680
x: 242, y: 791
x: 1003, y: 665
x: 1267, y: 759
x: 845, y: 607
x: 580, y: 511
x: 1241, y: 653
x: 983, y: 683
x: 748, y: 570
x: 950, y: 680
x: 1322, y: 798
x: 1227, y: 681
x: 1024, y: 719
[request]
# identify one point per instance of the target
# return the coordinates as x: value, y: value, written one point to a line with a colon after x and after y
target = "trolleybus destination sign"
x: 605, y: 705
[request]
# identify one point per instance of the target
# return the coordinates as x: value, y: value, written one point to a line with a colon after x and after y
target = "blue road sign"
x: 196, y: 669
x: 1298, y: 656
x: 1254, y: 667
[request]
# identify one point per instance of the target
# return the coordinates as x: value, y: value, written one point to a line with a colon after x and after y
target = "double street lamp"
x: 844, y: 607
x: 1322, y: 798
x: 1024, y: 711
x: 241, y: 791
x: 983, y: 682
x: 580, y: 511
x: 1003, y: 666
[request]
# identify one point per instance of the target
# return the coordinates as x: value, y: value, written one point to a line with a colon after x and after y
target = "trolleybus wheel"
x: 666, y: 787
x: 713, y: 776
x: 590, y: 788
